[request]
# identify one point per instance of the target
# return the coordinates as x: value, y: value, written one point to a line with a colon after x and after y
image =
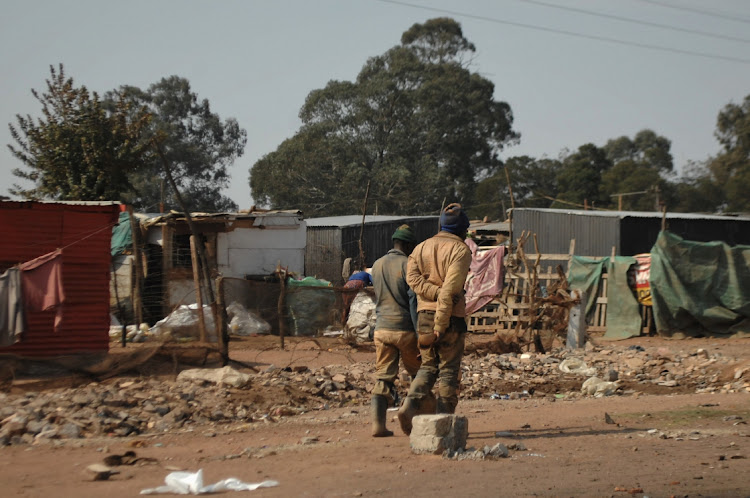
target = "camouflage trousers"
x: 441, y: 362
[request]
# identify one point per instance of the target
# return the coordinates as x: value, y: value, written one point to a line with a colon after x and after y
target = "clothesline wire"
x: 90, y: 234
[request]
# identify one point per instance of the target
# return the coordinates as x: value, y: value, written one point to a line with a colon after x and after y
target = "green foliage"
x: 197, y: 143
x: 579, y: 178
x: 416, y: 123
x: 730, y: 169
x: 532, y: 180
x: 77, y: 150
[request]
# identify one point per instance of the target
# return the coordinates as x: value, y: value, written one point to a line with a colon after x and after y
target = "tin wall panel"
x: 328, y: 247
x: 84, y: 232
x: 595, y: 236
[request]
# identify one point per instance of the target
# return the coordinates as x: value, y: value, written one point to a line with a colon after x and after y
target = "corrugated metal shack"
x: 83, y: 230
x: 331, y: 240
x: 630, y: 232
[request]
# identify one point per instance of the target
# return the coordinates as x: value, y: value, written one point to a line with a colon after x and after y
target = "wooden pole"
x: 362, y: 230
x: 136, y: 287
x: 510, y: 189
x: 619, y: 202
x: 188, y: 218
x: 280, y: 306
x: 221, y: 322
x: 663, y: 218
x: 198, y: 291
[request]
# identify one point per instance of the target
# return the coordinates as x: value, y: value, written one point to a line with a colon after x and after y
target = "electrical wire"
x: 637, y: 21
x: 697, y: 11
x: 570, y: 33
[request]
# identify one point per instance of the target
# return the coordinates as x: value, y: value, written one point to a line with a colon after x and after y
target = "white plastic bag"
x: 576, y: 366
x: 191, y: 483
x: 245, y: 322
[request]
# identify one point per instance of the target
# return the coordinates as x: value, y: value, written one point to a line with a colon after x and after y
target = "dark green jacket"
x: 391, y: 298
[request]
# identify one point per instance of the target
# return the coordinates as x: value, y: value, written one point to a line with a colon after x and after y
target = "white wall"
x: 257, y: 251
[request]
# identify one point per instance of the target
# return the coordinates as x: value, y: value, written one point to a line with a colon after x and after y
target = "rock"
x: 15, y: 425
x: 436, y: 434
x: 100, y: 472
x: 34, y: 427
x: 339, y: 378
x: 612, y: 375
x: 497, y: 451
x: 226, y: 375
x: 70, y: 431
x: 309, y: 440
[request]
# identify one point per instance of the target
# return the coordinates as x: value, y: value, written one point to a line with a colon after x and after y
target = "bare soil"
x: 660, y: 444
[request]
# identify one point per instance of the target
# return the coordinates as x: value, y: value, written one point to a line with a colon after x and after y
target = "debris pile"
x: 131, y: 406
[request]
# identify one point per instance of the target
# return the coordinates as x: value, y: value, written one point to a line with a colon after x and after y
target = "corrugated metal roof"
x: 356, y: 220
x: 71, y: 203
x: 150, y: 219
x: 84, y: 231
x: 635, y: 214
x: 495, y: 226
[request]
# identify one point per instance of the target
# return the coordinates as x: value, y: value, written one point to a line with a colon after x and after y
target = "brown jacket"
x: 437, y: 272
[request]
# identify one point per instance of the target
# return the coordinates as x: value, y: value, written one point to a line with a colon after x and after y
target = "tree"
x: 532, y: 180
x: 579, y: 178
x: 416, y: 124
x: 77, y: 150
x: 639, y: 167
x: 197, y: 143
x: 731, y: 167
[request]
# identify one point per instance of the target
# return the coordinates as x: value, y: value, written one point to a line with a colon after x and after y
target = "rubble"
x: 131, y: 406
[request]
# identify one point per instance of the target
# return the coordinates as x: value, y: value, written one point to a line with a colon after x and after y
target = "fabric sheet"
x: 700, y: 288
x: 12, y: 322
x: 485, y: 279
x: 42, y: 283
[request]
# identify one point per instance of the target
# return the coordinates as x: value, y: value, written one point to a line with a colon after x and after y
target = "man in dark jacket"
x: 394, y: 330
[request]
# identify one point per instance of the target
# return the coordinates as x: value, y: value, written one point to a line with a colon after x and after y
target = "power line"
x: 697, y: 11
x: 570, y: 33
x: 638, y: 21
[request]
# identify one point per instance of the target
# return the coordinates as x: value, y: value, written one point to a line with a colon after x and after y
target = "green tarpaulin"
x: 700, y: 288
x: 122, y: 237
x: 623, y: 317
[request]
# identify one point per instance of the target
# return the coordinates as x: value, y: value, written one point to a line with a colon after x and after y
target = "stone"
x: 436, y: 434
x: 100, y: 472
x: 226, y: 375
x: 70, y: 431
x: 15, y: 425
x: 339, y: 378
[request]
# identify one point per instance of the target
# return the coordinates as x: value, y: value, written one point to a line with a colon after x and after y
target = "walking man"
x: 437, y: 271
x: 394, y: 329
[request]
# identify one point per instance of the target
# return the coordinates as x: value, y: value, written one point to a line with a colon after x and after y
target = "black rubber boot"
x: 378, y: 408
x: 408, y: 410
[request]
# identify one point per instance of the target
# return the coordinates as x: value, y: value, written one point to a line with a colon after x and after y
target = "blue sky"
x: 256, y: 61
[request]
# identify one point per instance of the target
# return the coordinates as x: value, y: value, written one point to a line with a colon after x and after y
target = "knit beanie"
x: 454, y: 220
x: 404, y: 233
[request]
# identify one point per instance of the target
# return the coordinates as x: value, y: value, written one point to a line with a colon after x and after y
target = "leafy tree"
x: 731, y: 167
x: 417, y: 124
x: 532, y: 180
x: 639, y: 165
x: 77, y: 150
x: 579, y: 178
x: 696, y: 191
x: 197, y: 143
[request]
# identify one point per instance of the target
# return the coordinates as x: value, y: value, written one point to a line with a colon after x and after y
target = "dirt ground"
x: 659, y: 445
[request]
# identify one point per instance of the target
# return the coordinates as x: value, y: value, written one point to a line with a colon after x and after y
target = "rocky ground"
x: 279, y: 386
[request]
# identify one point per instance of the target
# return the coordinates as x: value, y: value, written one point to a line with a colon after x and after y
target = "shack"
x: 82, y: 231
x: 629, y: 232
x: 331, y: 240
x: 245, y: 245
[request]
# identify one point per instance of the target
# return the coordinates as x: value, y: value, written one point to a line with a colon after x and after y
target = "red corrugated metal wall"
x: 32, y: 229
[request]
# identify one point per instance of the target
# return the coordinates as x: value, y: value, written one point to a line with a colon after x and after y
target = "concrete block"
x: 435, y: 434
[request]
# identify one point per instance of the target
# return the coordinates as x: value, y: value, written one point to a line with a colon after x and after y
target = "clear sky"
x: 256, y: 61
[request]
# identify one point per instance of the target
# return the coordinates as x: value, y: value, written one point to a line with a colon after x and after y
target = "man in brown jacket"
x: 437, y: 272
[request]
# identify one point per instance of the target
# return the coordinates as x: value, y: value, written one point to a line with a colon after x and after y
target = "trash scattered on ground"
x: 244, y: 322
x: 191, y: 483
x: 182, y: 323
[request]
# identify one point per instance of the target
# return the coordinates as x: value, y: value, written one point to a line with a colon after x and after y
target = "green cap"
x: 404, y: 233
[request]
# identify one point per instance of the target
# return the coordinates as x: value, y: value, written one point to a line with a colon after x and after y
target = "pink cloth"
x: 485, y: 280
x: 41, y: 280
